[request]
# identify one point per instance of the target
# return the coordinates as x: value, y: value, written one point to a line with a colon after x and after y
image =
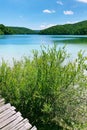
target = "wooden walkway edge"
x: 12, y: 120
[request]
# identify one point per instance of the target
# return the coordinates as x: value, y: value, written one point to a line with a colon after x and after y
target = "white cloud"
x: 60, y: 2
x: 71, y: 22
x: 68, y: 12
x: 83, y: 1
x: 49, y: 11
x: 44, y: 25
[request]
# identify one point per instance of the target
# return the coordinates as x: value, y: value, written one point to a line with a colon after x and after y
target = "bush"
x: 46, y: 90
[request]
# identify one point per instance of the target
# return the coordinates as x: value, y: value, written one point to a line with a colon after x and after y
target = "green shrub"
x: 46, y: 90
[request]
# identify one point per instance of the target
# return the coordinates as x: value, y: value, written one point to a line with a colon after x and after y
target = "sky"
x: 40, y: 14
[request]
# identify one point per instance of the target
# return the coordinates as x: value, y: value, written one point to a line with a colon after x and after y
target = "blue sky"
x: 40, y: 14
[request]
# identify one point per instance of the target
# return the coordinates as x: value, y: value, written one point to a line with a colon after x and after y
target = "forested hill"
x: 79, y: 28
x: 15, y: 30
x: 21, y: 30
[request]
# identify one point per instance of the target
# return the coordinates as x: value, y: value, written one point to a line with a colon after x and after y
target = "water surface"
x: 17, y: 46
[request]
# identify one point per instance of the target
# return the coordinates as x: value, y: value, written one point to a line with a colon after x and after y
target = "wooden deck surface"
x: 12, y: 120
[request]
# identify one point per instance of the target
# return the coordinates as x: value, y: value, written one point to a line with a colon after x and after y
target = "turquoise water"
x: 17, y: 46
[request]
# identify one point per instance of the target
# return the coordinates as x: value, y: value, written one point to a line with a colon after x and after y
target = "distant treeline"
x: 5, y: 30
x: 79, y: 28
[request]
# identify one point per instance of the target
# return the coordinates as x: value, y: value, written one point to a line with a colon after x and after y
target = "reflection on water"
x: 74, y: 40
x: 16, y: 46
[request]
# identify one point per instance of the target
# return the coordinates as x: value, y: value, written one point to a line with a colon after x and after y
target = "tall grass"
x: 47, y: 91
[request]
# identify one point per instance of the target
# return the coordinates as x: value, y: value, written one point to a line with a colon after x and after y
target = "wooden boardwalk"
x: 12, y: 120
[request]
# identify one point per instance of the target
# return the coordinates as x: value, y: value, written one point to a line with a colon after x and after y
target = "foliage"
x: 46, y: 90
x: 5, y: 30
x: 15, y: 30
x: 79, y: 28
x: 21, y: 30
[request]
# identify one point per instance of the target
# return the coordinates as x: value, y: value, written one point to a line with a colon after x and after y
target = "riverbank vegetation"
x: 48, y: 90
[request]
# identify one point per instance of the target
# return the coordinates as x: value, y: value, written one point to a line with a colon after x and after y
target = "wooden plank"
x: 4, y: 113
x: 25, y: 120
x: 23, y: 128
x: 18, y: 126
x: 33, y: 128
x: 6, y: 117
x: 6, y: 122
x: 12, y: 124
x: 12, y: 120
x: 2, y: 101
x: 3, y: 108
x: 22, y: 124
x: 27, y: 125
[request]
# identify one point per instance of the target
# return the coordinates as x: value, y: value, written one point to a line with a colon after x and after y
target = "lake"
x: 17, y: 46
